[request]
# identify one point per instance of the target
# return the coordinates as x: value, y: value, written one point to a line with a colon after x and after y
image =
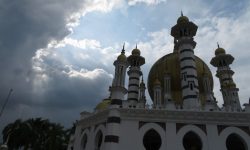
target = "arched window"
x: 191, y: 141
x: 84, y: 141
x: 98, y: 140
x: 152, y: 140
x: 235, y: 142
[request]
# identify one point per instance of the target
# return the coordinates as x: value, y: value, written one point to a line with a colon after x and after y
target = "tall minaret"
x: 183, y: 33
x: 118, y: 91
x: 225, y: 74
x: 134, y: 73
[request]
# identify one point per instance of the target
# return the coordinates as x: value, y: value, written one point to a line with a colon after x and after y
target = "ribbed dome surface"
x: 170, y: 64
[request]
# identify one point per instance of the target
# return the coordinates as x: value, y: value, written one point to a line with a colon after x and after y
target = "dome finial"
x: 136, y: 46
x: 123, y: 49
x: 218, y: 45
x: 142, y: 79
x: 181, y: 13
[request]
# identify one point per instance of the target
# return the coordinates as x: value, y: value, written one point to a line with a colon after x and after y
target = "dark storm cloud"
x: 25, y: 27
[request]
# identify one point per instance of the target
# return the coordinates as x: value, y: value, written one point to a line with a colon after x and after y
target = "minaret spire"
x: 184, y: 32
x: 228, y: 88
x: 135, y: 61
x: 123, y: 49
x: 118, y: 89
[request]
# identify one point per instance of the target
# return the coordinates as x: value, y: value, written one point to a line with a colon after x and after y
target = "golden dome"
x: 170, y: 63
x: 103, y: 105
x: 122, y: 58
x: 220, y: 50
x: 182, y: 19
x: 136, y: 51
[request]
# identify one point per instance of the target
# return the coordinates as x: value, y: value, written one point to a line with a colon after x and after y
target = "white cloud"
x: 83, y: 44
x: 148, y: 2
x: 84, y: 73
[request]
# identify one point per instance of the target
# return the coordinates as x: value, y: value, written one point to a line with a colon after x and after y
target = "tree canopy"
x: 36, y: 134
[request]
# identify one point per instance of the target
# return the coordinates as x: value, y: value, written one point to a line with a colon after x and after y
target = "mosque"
x: 184, y: 114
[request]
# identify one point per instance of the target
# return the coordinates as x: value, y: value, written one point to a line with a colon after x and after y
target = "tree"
x: 37, y: 134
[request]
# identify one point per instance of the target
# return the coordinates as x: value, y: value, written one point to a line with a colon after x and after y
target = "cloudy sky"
x: 58, y: 55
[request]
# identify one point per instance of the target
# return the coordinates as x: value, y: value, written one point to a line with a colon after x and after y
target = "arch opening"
x: 191, y: 141
x: 98, y: 140
x: 84, y: 141
x: 235, y: 142
x: 152, y: 140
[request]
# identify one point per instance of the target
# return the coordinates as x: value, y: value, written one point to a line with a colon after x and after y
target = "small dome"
x: 136, y: 51
x: 103, y: 105
x: 122, y: 58
x: 157, y: 82
x: 220, y: 50
x: 182, y: 19
x: 231, y: 85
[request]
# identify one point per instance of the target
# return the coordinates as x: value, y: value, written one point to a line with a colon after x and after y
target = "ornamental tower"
x: 134, y: 73
x: 225, y: 74
x: 118, y: 89
x: 183, y: 33
x: 117, y: 95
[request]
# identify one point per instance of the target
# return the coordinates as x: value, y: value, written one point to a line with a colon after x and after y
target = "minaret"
x: 134, y: 73
x: 157, y: 94
x: 183, y: 33
x: 225, y: 74
x: 118, y: 91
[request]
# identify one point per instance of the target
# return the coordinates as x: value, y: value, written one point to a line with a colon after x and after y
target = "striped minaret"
x: 183, y: 32
x: 225, y: 74
x: 134, y: 73
x: 118, y: 91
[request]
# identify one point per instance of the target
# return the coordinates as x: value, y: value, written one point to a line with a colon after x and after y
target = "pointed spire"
x: 142, y: 79
x: 218, y: 45
x: 136, y: 46
x: 123, y: 49
x: 181, y: 13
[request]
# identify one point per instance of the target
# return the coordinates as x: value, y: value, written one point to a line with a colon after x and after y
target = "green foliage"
x: 36, y: 134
